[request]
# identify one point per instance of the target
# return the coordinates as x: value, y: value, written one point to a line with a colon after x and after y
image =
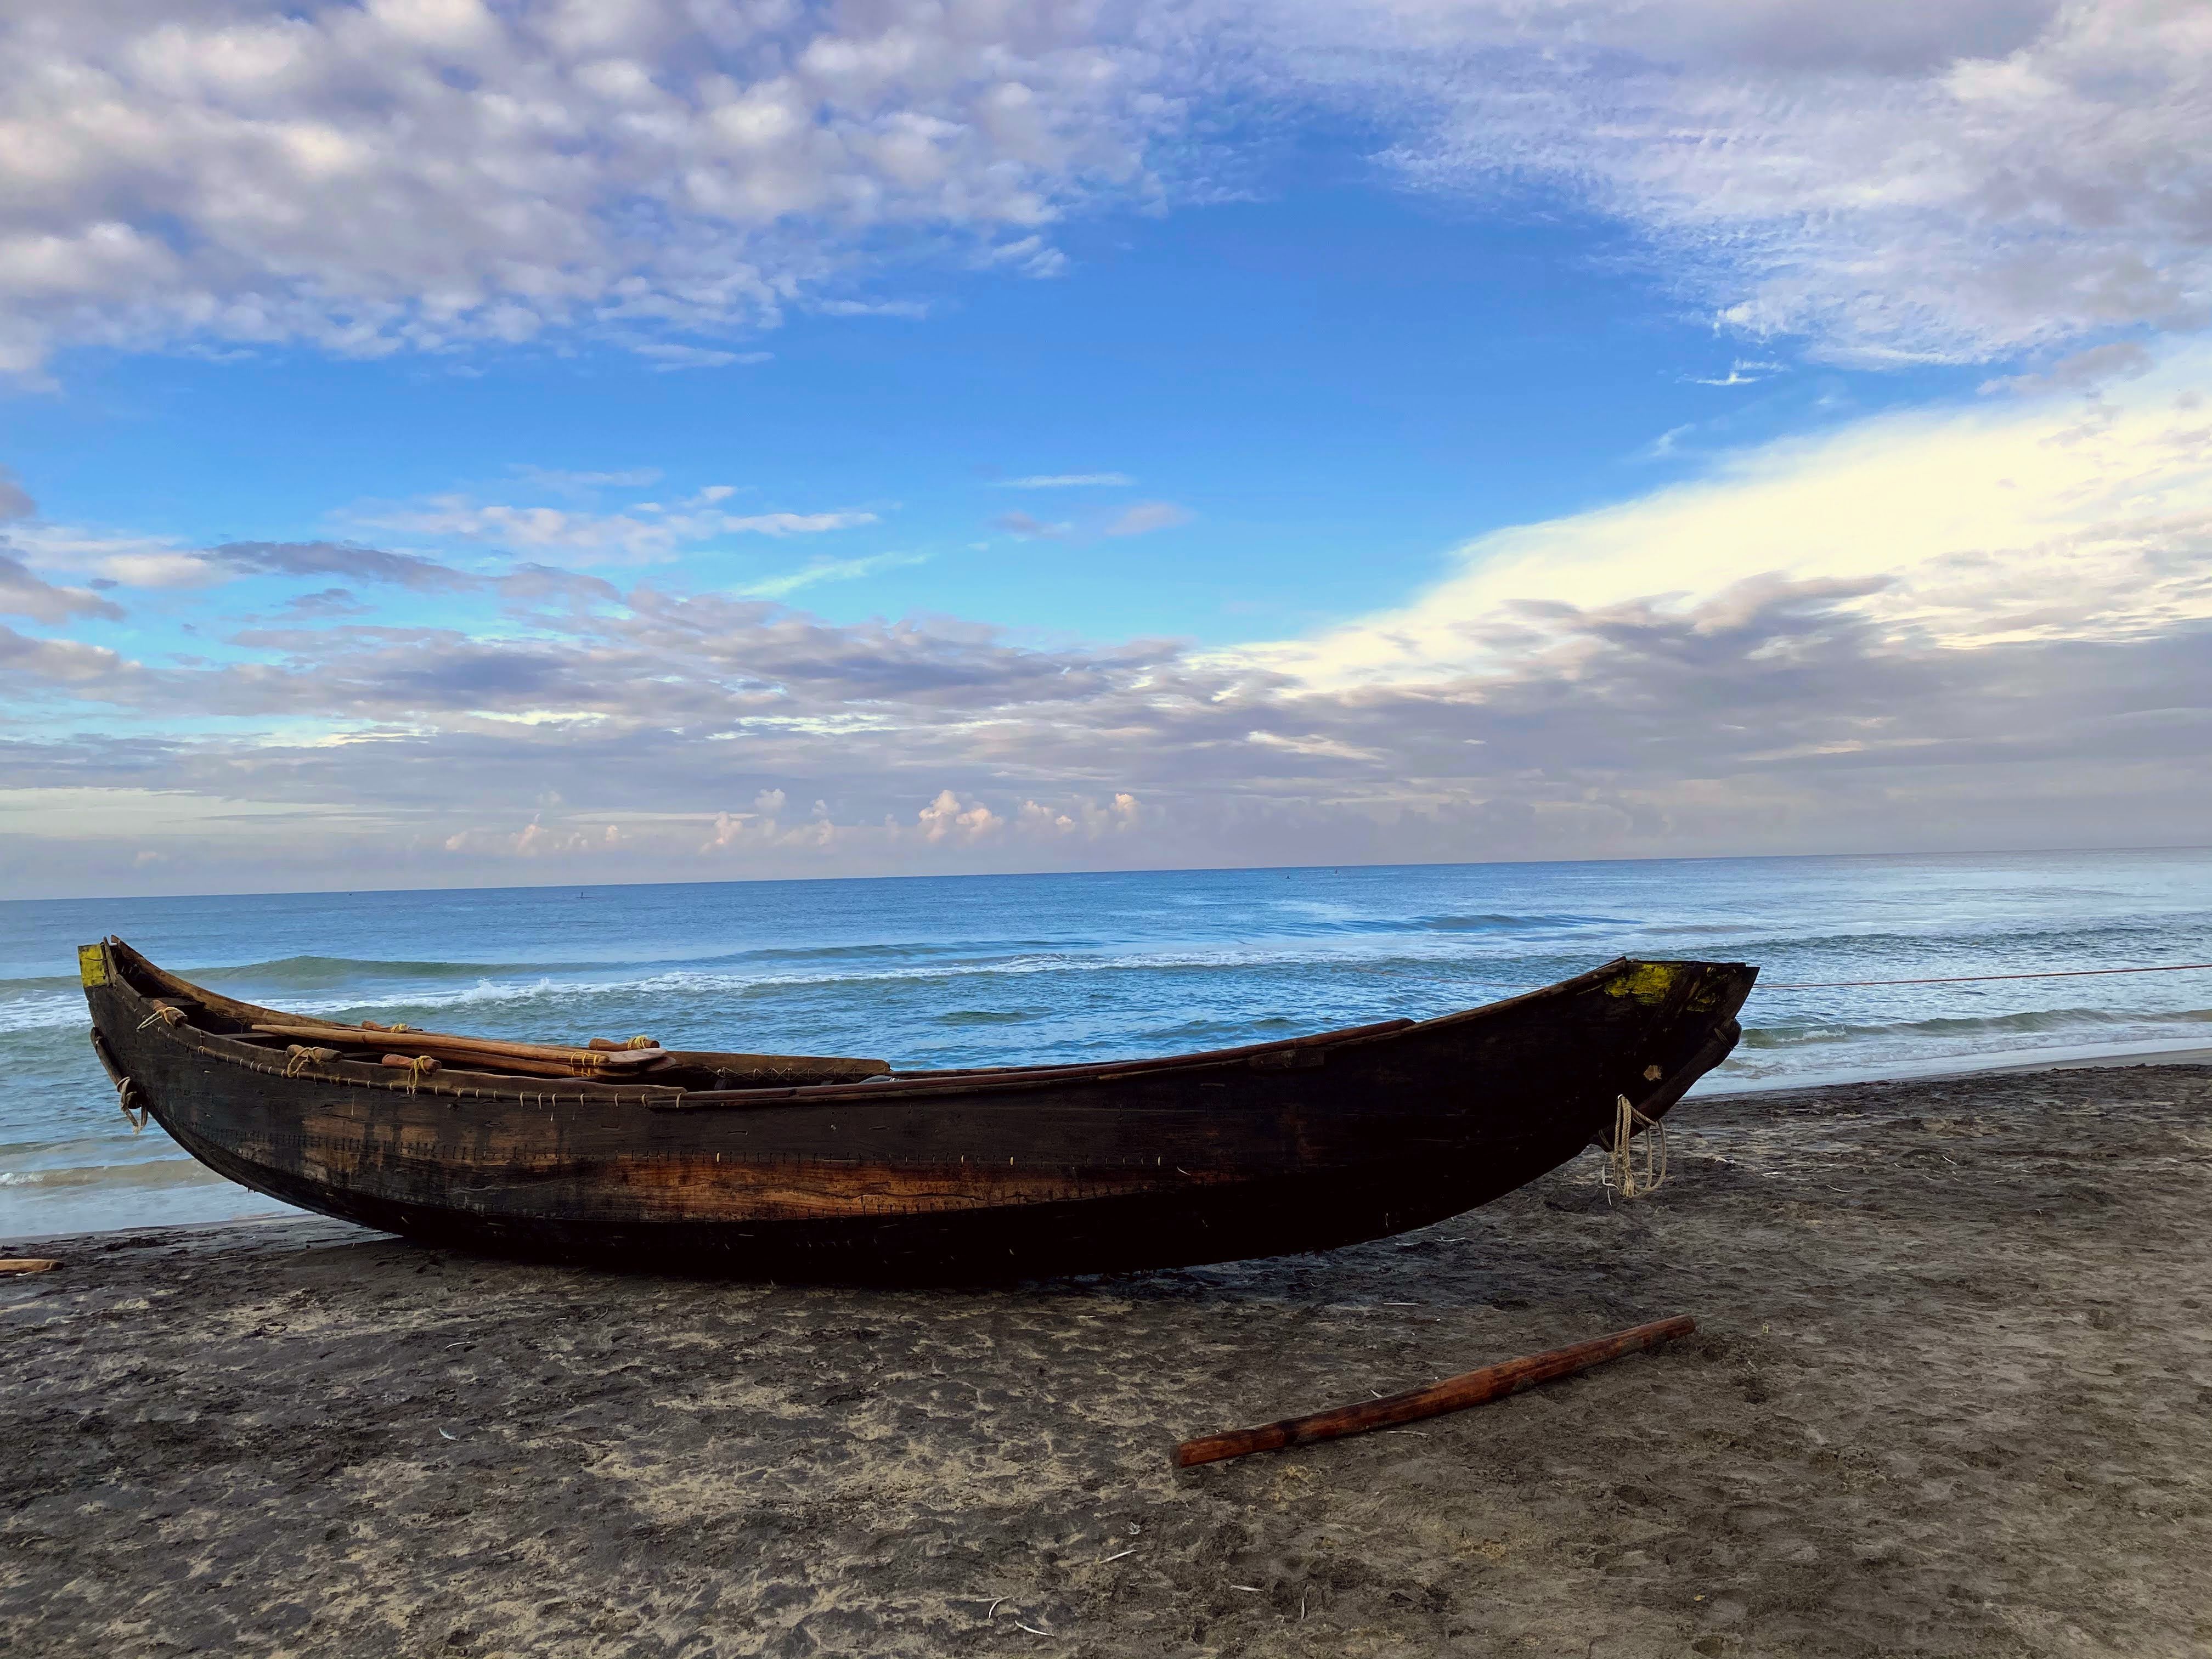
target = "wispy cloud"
x: 908, y: 308
x: 351, y: 560
x: 1147, y: 516
x: 648, y: 530
x: 1950, y: 183
x: 567, y: 483
x: 1741, y: 372
x: 827, y: 570
x: 1031, y: 528
x: 667, y: 356
x: 1069, y: 481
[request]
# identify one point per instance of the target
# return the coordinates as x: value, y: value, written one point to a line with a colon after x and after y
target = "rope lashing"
x: 640, y: 1043
x: 299, y: 1057
x: 125, y: 1093
x: 418, y: 1066
x: 1624, y: 1172
x: 165, y: 1014
x: 1971, y: 979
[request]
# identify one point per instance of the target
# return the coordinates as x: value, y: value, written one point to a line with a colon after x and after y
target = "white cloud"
x: 1741, y: 372
x: 1069, y: 481
x: 2039, y: 520
x: 409, y: 174
x: 160, y: 570
x: 1893, y: 179
x: 949, y: 818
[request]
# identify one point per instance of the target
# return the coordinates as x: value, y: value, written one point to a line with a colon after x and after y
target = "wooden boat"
x: 789, y: 1166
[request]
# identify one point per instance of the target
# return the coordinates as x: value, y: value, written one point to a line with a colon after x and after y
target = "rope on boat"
x: 165, y: 1014
x: 418, y: 1066
x: 1624, y: 1172
x: 125, y: 1091
x: 299, y: 1057
x: 640, y: 1043
x: 1968, y: 978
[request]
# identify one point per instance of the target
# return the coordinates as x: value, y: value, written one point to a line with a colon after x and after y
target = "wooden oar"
x: 27, y: 1264
x: 583, y: 1061
x: 1453, y: 1394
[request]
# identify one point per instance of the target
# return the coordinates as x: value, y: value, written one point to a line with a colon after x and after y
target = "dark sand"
x: 1953, y: 1396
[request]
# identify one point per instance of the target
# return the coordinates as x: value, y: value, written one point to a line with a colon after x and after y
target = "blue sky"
x: 1106, y: 437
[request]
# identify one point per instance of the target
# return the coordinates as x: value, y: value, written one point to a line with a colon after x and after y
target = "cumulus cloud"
x: 421, y: 173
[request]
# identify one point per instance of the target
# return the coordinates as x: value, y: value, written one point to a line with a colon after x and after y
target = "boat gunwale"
x: 449, y: 1082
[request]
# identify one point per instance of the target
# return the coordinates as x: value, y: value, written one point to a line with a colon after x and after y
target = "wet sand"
x: 1953, y: 1395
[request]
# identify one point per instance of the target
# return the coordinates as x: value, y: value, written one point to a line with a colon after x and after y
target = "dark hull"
x: 935, y: 1176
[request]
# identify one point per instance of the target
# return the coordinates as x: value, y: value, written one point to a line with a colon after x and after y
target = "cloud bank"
x: 1896, y: 181
x: 1988, y: 626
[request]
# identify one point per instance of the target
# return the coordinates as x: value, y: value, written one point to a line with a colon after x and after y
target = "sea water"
x: 1011, y: 969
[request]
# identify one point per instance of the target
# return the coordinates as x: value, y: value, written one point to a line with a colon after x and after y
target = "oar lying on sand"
x: 1453, y: 1394
x: 27, y: 1264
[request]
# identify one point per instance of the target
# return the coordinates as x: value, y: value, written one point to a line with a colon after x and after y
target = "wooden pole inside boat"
x: 1453, y: 1394
x: 581, y: 1060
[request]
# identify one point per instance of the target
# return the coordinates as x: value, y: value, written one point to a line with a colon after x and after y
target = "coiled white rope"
x: 1626, y: 1172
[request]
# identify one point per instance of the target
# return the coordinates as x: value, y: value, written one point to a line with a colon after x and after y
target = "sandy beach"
x: 1949, y: 1398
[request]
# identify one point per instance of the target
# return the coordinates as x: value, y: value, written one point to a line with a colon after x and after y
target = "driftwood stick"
x: 1453, y: 1394
x: 27, y: 1264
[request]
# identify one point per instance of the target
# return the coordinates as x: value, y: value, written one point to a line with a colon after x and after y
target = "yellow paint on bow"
x: 1647, y: 981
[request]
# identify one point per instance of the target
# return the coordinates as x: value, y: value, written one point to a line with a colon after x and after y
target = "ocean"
x: 1011, y: 969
